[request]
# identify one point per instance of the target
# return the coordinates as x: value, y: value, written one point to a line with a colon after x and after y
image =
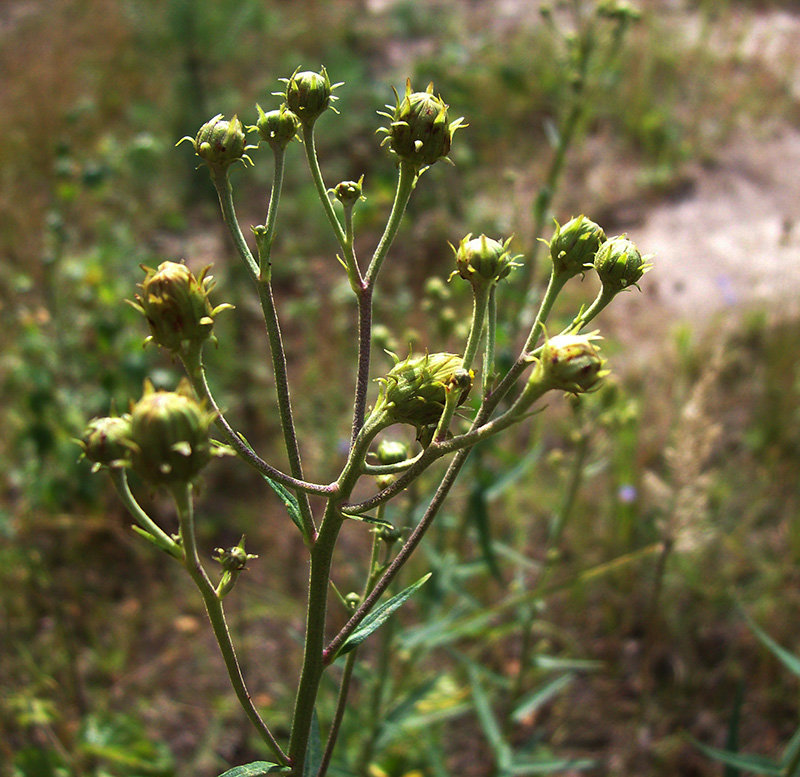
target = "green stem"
x: 338, y: 716
x: 554, y: 287
x: 491, y: 341
x: 182, y: 495
x: 120, y: 479
x: 196, y: 372
x: 285, y: 402
x: 222, y: 183
x: 313, y: 164
x: 480, y: 302
x: 406, y: 180
x: 265, y: 243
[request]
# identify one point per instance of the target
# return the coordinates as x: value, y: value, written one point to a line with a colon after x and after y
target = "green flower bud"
x: 278, y: 128
x: 419, y: 131
x: 170, y: 436
x: 233, y: 559
x: 570, y: 363
x: 414, y: 391
x: 391, y: 452
x: 619, y: 264
x: 574, y: 245
x: 106, y: 441
x: 483, y: 261
x: 220, y: 143
x: 309, y: 94
x: 349, y: 192
x: 176, y: 305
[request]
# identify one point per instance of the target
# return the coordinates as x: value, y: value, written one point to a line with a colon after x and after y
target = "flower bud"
x: 570, y: 363
x: 220, y: 142
x: 309, y: 94
x: 419, y: 131
x: 278, y: 127
x: 391, y: 452
x: 349, y: 192
x: 574, y: 245
x: 415, y: 390
x: 483, y: 261
x: 170, y: 436
x: 105, y: 441
x: 233, y: 559
x: 176, y: 305
x: 619, y: 264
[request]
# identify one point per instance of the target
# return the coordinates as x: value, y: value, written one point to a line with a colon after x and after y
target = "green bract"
x: 309, y: 94
x: 220, y: 142
x: 570, y: 363
x: 574, y: 245
x: 414, y: 390
x: 483, y: 261
x: 278, y: 127
x: 169, y: 436
x: 105, y: 441
x: 419, y: 131
x: 176, y: 305
x: 619, y: 264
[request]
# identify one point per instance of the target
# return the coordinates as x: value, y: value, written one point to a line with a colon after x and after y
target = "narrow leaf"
x: 379, y: 616
x: 550, y: 766
x: 732, y: 740
x: 538, y: 697
x: 289, y: 502
x: 756, y: 764
x: 254, y: 769
x: 515, y: 473
x: 478, y: 515
x: 791, y: 755
x: 488, y: 722
x: 313, y: 749
x: 789, y: 660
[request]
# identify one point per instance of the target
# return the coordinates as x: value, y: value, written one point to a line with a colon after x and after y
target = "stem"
x: 554, y: 287
x: 284, y: 402
x: 338, y: 716
x: 120, y: 479
x: 406, y: 179
x: 182, y: 495
x: 480, y: 302
x: 196, y: 371
x: 491, y: 341
x: 313, y: 164
x: 224, y: 189
x: 265, y: 243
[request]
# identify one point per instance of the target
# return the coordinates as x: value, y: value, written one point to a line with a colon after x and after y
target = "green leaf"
x: 732, y: 740
x: 549, y: 766
x: 379, y: 616
x: 368, y: 519
x: 755, y: 764
x: 289, y: 502
x: 314, y: 748
x: 477, y: 513
x: 792, y: 754
x: 789, y: 660
x: 254, y: 769
x: 511, y: 475
x: 540, y: 696
x: 488, y: 722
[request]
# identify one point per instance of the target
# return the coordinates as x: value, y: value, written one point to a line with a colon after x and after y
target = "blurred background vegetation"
x: 681, y: 475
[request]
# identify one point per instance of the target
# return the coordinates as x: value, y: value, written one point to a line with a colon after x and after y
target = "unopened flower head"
x: 170, y: 436
x: 414, y: 391
x: 176, y: 305
x: 349, y: 192
x: 570, y: 363
x: 574, y: 245
x: 309, y: 94
x: 483, y: 261
x: 391, y: 452
x: 619, y: 264
x: 220, y: 143
x: 106, y: 441
x: 278, y: 127
x: 419, y: 130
